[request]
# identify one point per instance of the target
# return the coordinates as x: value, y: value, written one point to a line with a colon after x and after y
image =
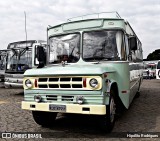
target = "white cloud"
x: 143, y: 16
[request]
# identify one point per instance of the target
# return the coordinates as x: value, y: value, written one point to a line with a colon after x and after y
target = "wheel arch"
x: 114, y: 87
x: 120, y: 106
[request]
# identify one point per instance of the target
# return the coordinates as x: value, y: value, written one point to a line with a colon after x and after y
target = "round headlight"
x: 37, y: 98
x: 80, y: 99
x: 93, y: 83
x: 28, y: 83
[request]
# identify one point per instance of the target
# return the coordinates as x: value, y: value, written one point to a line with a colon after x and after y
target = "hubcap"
x: 112, y: 110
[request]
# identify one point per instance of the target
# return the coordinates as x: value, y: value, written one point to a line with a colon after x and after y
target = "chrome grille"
x: 77, y: 79
x: 53, y: 79
x: 61, y: 98
x: 65, y: 79
x: 60, y: 82
x: 42, y: 79
x: 43, y: 86
x: 65, y: 86
x: 51, y: 97
x: 53, y: 86
x: 67, y: 98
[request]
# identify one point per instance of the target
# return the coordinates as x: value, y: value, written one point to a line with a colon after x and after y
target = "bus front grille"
x: 60, y: 98
x: 60, y: 82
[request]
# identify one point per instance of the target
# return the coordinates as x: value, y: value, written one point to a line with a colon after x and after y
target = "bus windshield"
x: 158, y: 65
x: 2, y: 60
x: 64, y: 48
x: 103, y: 45
x: 151, y: 66
x: 2, y: 64
x: 19, y: 60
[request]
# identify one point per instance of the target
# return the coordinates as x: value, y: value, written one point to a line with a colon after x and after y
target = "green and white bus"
x: 94, y: 66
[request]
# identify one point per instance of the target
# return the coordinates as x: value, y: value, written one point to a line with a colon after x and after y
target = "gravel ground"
x: 142, y: 116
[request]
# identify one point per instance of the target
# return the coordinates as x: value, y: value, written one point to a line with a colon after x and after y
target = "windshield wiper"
x: 107, y: 59
x: 15, y: 53
x: 93, y: 58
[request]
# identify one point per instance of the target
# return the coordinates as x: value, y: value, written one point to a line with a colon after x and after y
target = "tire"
x: 138, y: 91
x: 137, y: 94
x: 120, y: 108
x: 45, y: 119
x: 108, y: 120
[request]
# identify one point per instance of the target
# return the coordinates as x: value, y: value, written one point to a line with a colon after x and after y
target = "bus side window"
x: 133, y: 48
x: 139, y: 51
x: 128, y: 51
x: 123, y: 50
x: 158, y: 65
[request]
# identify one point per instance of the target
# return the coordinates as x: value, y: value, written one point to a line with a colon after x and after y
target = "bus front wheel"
x: 108, y: 119
x: 45, y: 119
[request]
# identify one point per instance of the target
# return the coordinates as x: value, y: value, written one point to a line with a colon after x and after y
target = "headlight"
x: 28, y: 83
x: 37, y: 98
x: 80, y: 99
x: 93, y: 83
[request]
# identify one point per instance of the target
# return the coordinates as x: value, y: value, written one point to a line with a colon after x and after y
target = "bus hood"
x: 73, y: 69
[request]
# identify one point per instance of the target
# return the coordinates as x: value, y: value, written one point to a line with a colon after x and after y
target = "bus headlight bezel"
x: 28, y: 83
x: 93, y: 83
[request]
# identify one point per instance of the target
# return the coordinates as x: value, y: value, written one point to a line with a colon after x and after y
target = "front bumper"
x: 1, y: 84
x: 1, y: 81
x: 70, y: 108
x: 13, y: 85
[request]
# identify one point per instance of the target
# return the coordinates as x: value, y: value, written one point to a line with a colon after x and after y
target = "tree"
x: 155, y: 55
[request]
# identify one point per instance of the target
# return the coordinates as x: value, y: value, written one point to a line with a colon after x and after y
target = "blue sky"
x: 144, y: 17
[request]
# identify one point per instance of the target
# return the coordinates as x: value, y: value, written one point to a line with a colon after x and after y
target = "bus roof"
x: 23, y: 44
x: 104, y: 20
x: 95, y: 16
x: 108, y: 15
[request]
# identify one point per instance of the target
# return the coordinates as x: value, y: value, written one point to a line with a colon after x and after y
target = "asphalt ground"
x: 143, y: 117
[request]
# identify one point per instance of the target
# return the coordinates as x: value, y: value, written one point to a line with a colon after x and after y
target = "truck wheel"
x: 108, y: 120
x: 45, y: 119
x: 137, y: 94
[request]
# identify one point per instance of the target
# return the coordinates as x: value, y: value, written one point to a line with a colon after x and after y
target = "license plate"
x: 60, y: 108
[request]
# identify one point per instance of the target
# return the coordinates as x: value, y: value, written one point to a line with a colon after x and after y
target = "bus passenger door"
x: 35, y: 61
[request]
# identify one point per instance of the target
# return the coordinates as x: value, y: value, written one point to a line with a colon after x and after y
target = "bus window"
x: 158, y: 65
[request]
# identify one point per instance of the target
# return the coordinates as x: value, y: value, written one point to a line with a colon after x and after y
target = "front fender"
x: 110, y: 83
x: 107, y: 83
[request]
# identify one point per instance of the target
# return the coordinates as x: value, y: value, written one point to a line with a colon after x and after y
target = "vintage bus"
x: 18, y: 60
x: 2, y: 66
x: 151, y: 67
x: 94, y: 67
x: 158, y: 70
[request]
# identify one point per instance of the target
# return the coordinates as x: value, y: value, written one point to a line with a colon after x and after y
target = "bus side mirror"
x: 133, y: 43
x: 41, y: 56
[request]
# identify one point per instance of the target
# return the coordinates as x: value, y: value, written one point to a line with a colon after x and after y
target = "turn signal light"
x: 84, y: 82
x: 35, y: 83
